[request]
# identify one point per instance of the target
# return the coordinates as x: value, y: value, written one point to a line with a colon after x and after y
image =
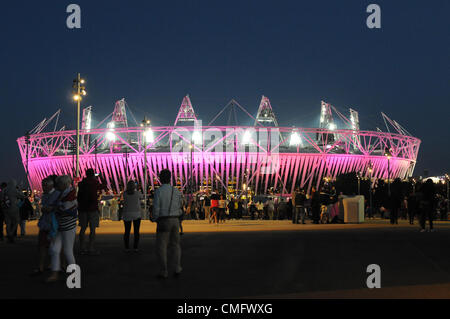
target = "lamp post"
x: 27, y: 143
x: 126, y: 165
x: 95, y: 154
x: 358, y: 175
x: 191, y: 180
x: 79, y: 90
x: 370, y: 186
x: 448, y: 202
x: 387, y: 153
x: 145, y: 124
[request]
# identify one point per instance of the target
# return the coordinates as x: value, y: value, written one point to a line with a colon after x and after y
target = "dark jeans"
x: 394, y: 215
x: 126, y: 236
x: 2, y: 221
x: 426, y: 212
x: 299, y: 214
x: 411, y: 216
x: 181, y: 225
x: 315, y: 214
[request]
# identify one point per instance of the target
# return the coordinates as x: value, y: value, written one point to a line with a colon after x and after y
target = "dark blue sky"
x: 295, y: 52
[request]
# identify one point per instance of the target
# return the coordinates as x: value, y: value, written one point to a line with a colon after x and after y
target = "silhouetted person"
x: 207, y: 206
x: 2, y: 211
x: 26, y: 211
x: 131, y: 214
x: 315, y: 205
x: 427, y: 204
x: 298, y: 201
x: 88, y: 212
x: 240, y: 209
x: 215, y: 208
x: 10, y: 198
x: 395, y: 200
x: 412, y: 207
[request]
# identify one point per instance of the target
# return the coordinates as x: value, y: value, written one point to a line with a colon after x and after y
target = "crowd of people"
x: 64, y: 205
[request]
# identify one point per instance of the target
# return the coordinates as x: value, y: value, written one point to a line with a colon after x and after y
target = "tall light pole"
x: 191, y: 178
x: 358, y: 175
x: 447, y: 178
x: 387, y: 153
x: 79, y: 90
x: 145, y: 136
x: 126, y: 165
x: 370, y: 187
x: 27, y: 143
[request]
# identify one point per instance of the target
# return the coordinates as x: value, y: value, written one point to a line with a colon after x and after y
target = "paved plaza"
x: 249, y: 259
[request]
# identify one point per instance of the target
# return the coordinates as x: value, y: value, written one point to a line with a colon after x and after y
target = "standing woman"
x: 131, y: 214
x: 66, y: 212
x: 214, y: 208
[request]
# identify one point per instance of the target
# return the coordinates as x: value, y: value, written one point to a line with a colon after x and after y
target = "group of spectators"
x: 64, y: 205
x: 408, y: 201
x: 217, y: 207
x: 15, y: 210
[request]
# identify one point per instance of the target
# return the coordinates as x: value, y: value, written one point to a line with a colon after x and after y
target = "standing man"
x: 395, y: 200
x: 166, y: 213
x: 2, y: 209
x: 10, y: 198
x: 427, y: 205
x: 298, y: 201
x: 270, y: 208
x: 315, y: 205
x: 207, y: 206
x: 88, y: 213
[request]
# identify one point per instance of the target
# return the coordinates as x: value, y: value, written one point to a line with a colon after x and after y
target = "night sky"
x: 295, y: 52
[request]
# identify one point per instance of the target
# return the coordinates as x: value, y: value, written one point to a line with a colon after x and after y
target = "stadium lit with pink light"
x: 263, y: 157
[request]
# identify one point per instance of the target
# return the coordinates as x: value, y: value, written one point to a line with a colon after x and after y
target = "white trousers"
x: 64, y: 240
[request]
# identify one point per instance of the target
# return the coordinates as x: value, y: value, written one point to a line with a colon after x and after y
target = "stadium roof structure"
x: 261, y: 157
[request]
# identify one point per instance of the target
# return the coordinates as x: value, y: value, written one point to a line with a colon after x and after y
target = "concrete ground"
x: 249, y: 259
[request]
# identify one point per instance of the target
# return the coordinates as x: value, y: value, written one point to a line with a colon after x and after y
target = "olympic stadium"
x: 265, y: 157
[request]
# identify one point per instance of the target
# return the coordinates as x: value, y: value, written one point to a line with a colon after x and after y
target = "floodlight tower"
x: 265, y: 113
x: 326, y: 118
x: 354, y: 123
x: 119, y: 116
x: 86, y: 123
x: 326, y: 121
x: 118, y: 120
x: 186, y: 112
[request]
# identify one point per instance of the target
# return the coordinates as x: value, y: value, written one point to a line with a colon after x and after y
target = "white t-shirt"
x: 131, y: 206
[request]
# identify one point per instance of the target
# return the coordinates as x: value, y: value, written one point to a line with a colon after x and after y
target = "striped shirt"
x: 67, y: 210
